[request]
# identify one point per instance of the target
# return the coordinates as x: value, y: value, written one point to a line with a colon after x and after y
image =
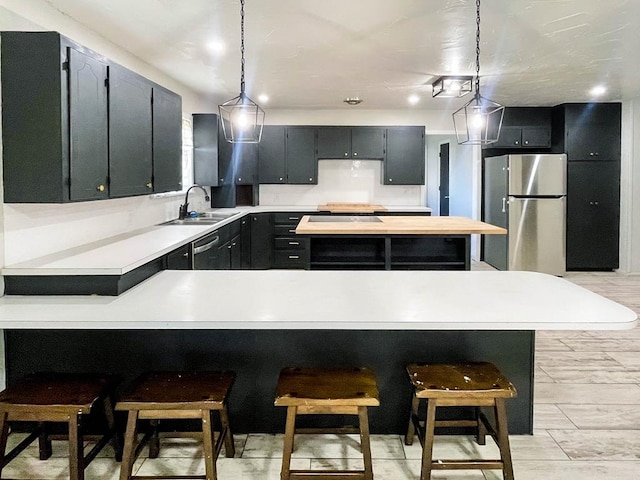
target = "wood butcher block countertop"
x: 399, y: 225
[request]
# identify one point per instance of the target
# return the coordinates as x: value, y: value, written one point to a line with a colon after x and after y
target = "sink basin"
x: 216, y: 215
x: 194, y: 221
x: 344, y: 218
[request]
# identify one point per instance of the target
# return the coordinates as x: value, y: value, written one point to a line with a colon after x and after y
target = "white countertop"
x: 123, y: 253
x: 352, y: 300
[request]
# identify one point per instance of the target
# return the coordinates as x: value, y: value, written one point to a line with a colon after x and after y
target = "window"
x: 187, y: 153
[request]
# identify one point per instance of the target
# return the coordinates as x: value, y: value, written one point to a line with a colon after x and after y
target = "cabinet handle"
x: 516, y: 142
x: 594, y: 204
x: 294, y: 218
x: 149, y: 184
x: 526, y: 142
x: 294, y: 257
x: 346, y: 154
x: 504, y: 205
x: 292, y: 231
x: 391, y: 179
x: 185, y: 255
x: 281, y: 179
x: 294, y: 243
x: 239, y: 179
x: 593, y: 154
x: 100, y: 188
x: 355, y: 154
x: 206, y: 247
x: 311, y: 179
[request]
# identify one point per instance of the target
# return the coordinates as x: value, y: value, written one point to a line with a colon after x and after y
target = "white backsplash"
x: 344, y: 181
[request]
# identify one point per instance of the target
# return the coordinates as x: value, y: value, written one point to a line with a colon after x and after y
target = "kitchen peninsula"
x: 391, y: 242
x: 256, y: 322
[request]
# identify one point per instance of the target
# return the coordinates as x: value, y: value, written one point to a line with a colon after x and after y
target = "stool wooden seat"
x: 58, y: 397
x: 177, y: 395
x: 470, y: 384
x: 344, y: 391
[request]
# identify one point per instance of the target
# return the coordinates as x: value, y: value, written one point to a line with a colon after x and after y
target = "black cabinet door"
x: 235, y: 253
x: 245, y: 163
x: 334, y: 142
x: 179, y: 259
x: 260, y: 241
x: 222, y: 260
x: 405, y: 160
x: 539, y: 137
x: 245, y: 242
x: 225, y: 161
x: 271, y: 155
x: 205, y: 149
x: 593, y: 142
x: 130, y: 133
x: 593, y: 215
x: 167, y: 141
x: 368, y: 142
x: 510, y: 137
x: 88, y: 128
x: 302, y: 166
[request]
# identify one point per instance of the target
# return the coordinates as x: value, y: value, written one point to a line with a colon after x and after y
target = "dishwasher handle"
x: 206, y: 246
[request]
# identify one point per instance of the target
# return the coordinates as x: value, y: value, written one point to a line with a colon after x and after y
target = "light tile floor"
x: 586, y: 410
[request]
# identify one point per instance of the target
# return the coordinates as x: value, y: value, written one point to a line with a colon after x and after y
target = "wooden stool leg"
x: 44, y: 442
x: 154, y: 440
x: 208, y: 445
x: 411, y: 430
x: 229, y: 446
x: 76, y: 450
x: 365, y: 443
x: 482, y: 428
x: 429, y: 433
x: 503, y: 438
x: 289, y: 433
x: 4, y: 433
x: 128, y: 454
x: 116, y: 436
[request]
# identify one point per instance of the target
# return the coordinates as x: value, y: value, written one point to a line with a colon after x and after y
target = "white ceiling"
x: 314, y: 53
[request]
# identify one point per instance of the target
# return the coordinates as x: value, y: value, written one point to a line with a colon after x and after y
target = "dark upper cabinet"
x: 593, y: 215
x: 368, y: 142
x: 271, y: 155
x: 588, y: 131
x: 55, y: 149
x: 205, y: 148
x: 405, y: 160
x: 245, y: 163
x: 167, y: 140
x: 351, y: 142
x: 302, y: 167
x: 89, y: 135
x: 130, y: 133
x: 524, y: 127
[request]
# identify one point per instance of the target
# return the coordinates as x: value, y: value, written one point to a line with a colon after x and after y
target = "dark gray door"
x: 130, y: 135
x: 404, y: 163
x: 368, y: 142
x: 88, y: 127
x: 167, y: 141
x: 444, y: 179
x: 301, y: 161
x: 245, y: 158
x: 271, y: 166
x: 334, y: 142
x: 260, y: 241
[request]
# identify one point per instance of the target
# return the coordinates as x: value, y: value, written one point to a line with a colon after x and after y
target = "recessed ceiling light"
x: 216, y: 47
x: 413, y: 99
x: 598, y: 90
x: 263, y: 98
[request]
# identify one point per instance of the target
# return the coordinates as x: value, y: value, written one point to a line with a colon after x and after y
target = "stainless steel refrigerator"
x: 526, y: 194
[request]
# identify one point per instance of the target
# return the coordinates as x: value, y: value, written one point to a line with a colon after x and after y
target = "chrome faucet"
x: 184, y: 209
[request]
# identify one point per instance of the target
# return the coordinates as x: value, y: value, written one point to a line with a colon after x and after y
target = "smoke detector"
x: 352, y: 101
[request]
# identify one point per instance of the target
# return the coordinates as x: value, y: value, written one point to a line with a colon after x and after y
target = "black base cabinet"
x: 593, y: 215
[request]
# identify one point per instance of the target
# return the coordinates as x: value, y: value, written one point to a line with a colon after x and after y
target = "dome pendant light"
x: 242, y: 118
x: 479, y: 121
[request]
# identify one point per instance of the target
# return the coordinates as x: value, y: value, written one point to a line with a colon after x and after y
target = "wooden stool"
x: 58, y: 397
x: 342, y: 391
x: 471, y: 384
x: 177, y: 395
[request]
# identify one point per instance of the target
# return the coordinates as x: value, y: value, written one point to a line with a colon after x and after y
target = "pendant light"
x: 242, y: 118
x: 479, y: 121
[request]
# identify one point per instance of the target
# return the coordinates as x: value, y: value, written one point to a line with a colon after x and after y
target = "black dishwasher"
x: 206, y: 252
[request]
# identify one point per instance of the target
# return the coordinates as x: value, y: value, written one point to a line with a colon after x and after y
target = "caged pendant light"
x: 479, y: 121
x: 242, y: 118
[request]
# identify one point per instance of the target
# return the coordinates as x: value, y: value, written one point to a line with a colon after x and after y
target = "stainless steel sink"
x: 194, y: 221
x: 344, y: 218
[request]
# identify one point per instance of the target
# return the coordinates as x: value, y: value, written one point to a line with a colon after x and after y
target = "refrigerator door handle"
x: 504, y: 205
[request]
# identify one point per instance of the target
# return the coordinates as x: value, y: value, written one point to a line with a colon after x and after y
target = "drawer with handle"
x: 290, y: 259
x: 291, y: 243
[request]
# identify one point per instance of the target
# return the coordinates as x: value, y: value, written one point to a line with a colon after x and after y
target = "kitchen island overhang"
x: 256, y: 323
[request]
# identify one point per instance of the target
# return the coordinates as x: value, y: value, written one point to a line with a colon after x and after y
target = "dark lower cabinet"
x: 593, y: 215
x: 179, y: 259
x: 290, y: 251
x: 260, y: 241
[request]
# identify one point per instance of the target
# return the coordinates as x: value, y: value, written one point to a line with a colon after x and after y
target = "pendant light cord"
x: 477, y: 47
x: 242, y: 47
